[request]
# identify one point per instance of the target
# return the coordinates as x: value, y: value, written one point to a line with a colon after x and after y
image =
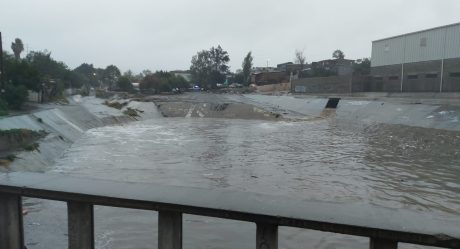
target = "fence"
x: 384, y: 227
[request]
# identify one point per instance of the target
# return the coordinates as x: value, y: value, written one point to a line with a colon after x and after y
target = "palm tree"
x: 17, y: 46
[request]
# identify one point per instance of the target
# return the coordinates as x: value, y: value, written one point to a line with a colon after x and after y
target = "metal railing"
x: 385, y: 227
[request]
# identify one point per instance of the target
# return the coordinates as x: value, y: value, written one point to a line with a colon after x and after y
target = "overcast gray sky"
x: 149, y: 34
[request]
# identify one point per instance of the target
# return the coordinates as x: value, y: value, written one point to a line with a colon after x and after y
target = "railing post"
x: 81, y: 225
x: 383, y: 244
x: 267, y: 236
x: 169, y: 230
x: 11, y: 226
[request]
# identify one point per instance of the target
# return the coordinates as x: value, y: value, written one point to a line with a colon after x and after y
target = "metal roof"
x: 416, y: 32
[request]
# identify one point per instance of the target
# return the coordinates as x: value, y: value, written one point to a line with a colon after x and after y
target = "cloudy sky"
x: 150, y: 34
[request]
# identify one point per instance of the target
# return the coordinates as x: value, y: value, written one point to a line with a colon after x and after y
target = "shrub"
x: 124, y: 84
x: 15, y: 96
x: 3, y: 107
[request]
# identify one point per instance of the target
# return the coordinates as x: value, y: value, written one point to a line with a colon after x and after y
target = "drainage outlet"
x: 332, y: 103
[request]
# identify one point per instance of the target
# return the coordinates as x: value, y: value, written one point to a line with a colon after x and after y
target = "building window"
x: 387, y: 47
x: 431, y: 75
x: 412, y: 77
x: 393, y: 78
x: 378, y: 78
x: 423, y: 42
x: 455, y: 75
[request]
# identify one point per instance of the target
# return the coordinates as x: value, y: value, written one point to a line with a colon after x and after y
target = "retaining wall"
x: 333, y: 84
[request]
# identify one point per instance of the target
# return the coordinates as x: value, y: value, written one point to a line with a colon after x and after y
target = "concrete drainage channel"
x: 362, y: 112
x: 63, y: 125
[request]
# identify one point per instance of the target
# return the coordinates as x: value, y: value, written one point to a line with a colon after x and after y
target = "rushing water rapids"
x: 382, y: 165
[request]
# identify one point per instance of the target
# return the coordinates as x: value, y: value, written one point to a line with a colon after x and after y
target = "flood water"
x: 382, y: 165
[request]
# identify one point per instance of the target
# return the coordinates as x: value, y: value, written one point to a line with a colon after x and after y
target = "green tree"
x: 20, y: 72
x: 163, y: 81
x: 53, y: 74
x: 18, y: 47
x: 48, y: 67
x: 338, y: 54
x: 238, y: 78
x: 146, y: 72
x: 178, y: 82
x: 219, y: 59
x: 362, y: 66
x: 209, y: 67
x: 124, y: 84
x: 132, y: 77
x: 151, y: 82
x: 171, y: 81
x: 247, y: 66
x: 110, y: 75
x: 87, y: 73
x: 15, y: 96
x: 201, y: 68
x: 73, y: 80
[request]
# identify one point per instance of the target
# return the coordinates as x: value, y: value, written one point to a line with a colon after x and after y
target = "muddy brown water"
x: 381, y: 165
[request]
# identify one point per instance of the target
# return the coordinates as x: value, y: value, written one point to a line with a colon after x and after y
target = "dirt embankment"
x: 17, y: 140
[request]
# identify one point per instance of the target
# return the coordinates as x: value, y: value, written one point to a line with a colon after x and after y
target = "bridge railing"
x: 385, y: 227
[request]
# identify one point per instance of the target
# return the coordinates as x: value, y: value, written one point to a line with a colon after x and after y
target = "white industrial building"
x: 423, y: 61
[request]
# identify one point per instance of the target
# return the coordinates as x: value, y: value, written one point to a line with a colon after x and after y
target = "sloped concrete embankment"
x: 444, y: 115
x: 63, y: 125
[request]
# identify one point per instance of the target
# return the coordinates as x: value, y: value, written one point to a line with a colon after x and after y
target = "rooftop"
x: 416, y: 32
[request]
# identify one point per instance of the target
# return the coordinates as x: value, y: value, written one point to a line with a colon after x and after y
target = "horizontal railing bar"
x: 405, y: 237
x: 236, y: 207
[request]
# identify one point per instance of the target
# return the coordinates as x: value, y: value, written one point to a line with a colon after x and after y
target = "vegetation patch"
x: 7, y: 160
x: 19, y: 139
x: 104, y: 94
x: 3, y: 108
x: 115, y: 104
x: 21, y: 133
x: 132, y: 112
x: 32, y: 147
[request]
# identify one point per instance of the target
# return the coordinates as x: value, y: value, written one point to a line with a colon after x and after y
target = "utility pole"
x: 2, y: 78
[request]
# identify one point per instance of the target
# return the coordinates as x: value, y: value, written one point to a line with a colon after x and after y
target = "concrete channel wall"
x: 65, y: 124
x: 332, y: 84
x: 359, y: 111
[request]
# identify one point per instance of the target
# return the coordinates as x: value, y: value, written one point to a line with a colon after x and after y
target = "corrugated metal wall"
x: 433, y: 49
x: 428, y: 45
x: 452, y: 42
x: 388, y: 52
